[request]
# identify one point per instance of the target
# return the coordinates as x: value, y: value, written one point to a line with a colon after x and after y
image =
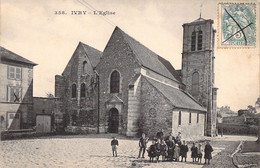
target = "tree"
x: 257, y: 103
x: 251, y: 109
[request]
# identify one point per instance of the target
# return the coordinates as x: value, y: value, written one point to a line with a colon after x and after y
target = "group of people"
x: 169, y: 148
x: 172, y: 149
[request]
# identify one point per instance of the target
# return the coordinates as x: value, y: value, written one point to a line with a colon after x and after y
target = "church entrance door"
x: 113, y: 121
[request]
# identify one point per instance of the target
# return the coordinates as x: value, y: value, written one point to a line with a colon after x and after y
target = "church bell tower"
x: 198, y: 67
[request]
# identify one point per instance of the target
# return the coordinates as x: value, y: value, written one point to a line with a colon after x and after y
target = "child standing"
x: 176, y: 153
x: 199, y: 153
x: 194, y: 152
x: 142, y: 145
x: 114, y: 144
x: 152, y: 151
x: 183, y: 151
x: 208, y: 150
x: 163, y: 150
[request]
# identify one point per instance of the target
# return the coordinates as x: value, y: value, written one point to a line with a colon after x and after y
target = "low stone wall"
x: 237, y: 129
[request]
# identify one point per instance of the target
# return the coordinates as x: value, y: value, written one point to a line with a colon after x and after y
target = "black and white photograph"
x: 129, y: 83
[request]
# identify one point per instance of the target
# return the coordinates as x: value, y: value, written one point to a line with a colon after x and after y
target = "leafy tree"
x: 251, y: 109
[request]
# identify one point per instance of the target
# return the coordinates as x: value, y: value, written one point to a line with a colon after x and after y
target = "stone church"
x: 129, y: 89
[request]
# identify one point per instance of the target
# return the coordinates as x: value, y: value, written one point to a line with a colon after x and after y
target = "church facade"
x: 129, y: 89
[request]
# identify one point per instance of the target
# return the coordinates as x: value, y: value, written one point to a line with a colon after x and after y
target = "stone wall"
x: 156, y: 111
x: 134, y: 108
x: 234, y: 120
x: 78, y: 111
x: 53, y: 107
x: 116, y: 56
x: 201, y: 61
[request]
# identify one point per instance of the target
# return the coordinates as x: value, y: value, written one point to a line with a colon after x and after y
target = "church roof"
x: 149, y: 59
x: 178, y: 98
x: 9, y: 55
x: 93, y: 54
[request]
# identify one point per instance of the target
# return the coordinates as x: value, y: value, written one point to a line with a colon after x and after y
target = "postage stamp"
x: 236, y: 25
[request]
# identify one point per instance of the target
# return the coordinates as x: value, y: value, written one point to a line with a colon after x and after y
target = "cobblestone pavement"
x: 82, y: 152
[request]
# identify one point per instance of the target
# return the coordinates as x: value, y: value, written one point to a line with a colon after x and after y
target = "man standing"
x: 114, y: 144
x: 142, y: 144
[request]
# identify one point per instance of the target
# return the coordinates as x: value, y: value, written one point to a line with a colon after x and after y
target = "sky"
x: 31, y: 28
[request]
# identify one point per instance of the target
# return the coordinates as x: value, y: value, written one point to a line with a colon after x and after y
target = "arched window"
x: 193, y: 41
x: 85, y: 67
x: 114, y: 82
x: 83, y: 90
x: 195, y: 84
x: 73, y: 90
x: 199, y: 40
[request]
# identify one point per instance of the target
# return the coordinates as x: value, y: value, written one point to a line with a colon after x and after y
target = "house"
x: 16, y: 101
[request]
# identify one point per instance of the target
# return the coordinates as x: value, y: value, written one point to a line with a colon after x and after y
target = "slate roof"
x: 149, y: 59
x: 9, y: 55
x: 93, y: 54
x: 178, y: 98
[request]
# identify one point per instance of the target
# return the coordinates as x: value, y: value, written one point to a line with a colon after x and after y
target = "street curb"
x: 239, y: 147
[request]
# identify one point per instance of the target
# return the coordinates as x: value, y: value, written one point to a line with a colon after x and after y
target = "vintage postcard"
x: 117, y: 83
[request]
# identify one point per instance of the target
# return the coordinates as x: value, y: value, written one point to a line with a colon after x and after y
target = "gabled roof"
x: 9, y: 55
x: 178, y: 98
x: 93, y: 54
x: 149, y: 59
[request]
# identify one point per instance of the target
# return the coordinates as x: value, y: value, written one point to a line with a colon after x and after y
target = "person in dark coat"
x: 183, y: 151
x: 142, y: 145
x: 194, y: 152
x: 114, y: 144
x: 153, y: 151
x: 171, y: 145
x: 208, y: 150
x: 159, y: 135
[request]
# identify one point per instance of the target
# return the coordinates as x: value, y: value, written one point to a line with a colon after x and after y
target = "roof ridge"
x: 169, y: 74
x: 84, y: 44
x: 177, y: 89
x: 12, y: 54
x: 191, y: 97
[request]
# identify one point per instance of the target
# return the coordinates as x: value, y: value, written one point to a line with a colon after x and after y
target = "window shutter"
x: 7, y: 93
